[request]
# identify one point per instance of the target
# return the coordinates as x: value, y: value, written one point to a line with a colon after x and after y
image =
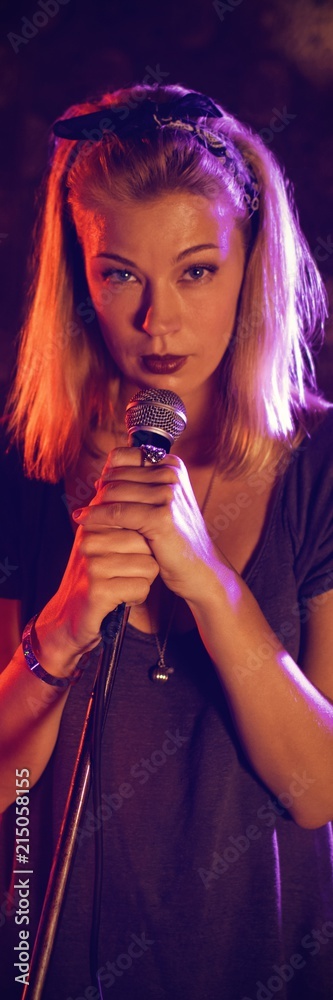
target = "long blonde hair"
x: 267, y: 379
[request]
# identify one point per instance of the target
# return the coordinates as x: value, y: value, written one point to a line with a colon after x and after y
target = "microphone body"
x: 155, y: 417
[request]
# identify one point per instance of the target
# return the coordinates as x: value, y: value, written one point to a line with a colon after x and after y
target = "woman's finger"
x: 153, y: 474
x: 120, y: 514
x: 134, y: 491
x: 125, y: 542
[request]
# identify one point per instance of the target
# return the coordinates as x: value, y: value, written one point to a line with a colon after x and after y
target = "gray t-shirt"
x: 210, y: 890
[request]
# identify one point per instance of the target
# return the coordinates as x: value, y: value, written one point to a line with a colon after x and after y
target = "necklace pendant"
x: 161, y: 672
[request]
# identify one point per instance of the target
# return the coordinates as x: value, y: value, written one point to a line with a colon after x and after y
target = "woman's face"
x: 164, y: 277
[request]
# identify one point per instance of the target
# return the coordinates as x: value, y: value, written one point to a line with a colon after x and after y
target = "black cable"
x: 112, y: 630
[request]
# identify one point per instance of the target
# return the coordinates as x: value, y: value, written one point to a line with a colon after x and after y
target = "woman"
x: 170, y: 257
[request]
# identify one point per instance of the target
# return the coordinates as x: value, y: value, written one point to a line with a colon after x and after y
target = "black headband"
x: 123, y: 120
x: 178, y: 113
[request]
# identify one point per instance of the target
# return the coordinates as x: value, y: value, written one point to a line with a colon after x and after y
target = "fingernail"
x: 98, y: 483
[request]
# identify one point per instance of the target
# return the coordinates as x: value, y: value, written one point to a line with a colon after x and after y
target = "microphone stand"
x: 112, y: 629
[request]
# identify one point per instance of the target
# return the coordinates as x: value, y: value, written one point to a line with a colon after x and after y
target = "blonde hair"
x: 268, y: 387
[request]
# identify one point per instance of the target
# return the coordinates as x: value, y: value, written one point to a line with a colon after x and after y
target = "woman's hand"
x: 158, y: 504
x: 107, y: 567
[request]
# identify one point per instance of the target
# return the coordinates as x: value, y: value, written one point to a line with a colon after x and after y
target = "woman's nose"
x: 161, y: 314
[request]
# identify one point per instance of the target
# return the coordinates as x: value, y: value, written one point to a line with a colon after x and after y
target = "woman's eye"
x: 193, y: 274
x: 199, y: 271
x: 122, y: 276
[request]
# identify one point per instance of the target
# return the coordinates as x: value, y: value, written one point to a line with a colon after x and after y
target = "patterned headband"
x: 179, y: 113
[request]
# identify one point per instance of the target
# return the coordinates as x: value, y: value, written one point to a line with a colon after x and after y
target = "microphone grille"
x: 157, y: 410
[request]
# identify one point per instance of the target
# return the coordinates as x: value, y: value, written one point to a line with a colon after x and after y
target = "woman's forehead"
x: 173, y: 218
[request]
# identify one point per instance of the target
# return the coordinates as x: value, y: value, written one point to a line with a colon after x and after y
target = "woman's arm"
x: 30, y: 709
x: 105, y: 568
x: 283, y: 716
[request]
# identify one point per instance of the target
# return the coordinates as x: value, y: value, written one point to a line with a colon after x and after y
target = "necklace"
x: 161, y: 672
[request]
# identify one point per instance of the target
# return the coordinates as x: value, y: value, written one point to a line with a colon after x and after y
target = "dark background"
x: 268, y: 61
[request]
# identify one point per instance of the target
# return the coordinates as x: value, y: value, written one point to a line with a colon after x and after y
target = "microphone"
x: 154, y: 419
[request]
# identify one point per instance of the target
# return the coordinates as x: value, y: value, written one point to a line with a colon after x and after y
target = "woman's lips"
x: 163, y: 364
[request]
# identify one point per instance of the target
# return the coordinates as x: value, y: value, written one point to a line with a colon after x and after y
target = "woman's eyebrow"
x: 180, y: 256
